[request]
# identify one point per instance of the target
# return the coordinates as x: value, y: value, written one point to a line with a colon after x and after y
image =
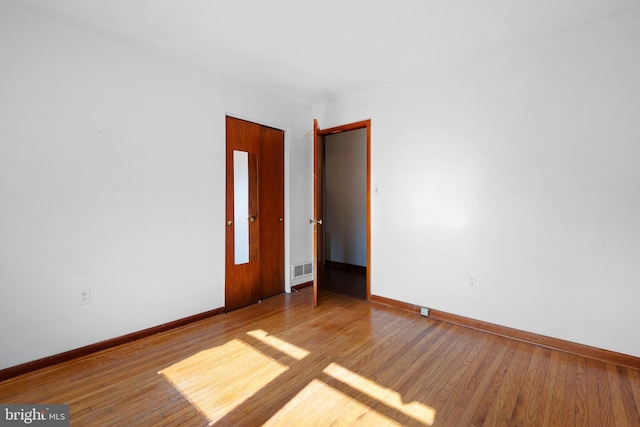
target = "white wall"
x: 345, y: 201
x: 112, y: 178
x: 519, y: 168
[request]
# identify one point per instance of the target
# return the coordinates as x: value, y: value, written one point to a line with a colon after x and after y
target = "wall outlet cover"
x: 84, y: 297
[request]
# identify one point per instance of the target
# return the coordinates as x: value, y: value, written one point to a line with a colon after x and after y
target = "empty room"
x: 188, y: 236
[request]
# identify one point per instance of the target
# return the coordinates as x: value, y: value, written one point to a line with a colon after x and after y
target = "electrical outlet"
x: 84, y: 297
x: 472, y: 282
x: 424, y: 311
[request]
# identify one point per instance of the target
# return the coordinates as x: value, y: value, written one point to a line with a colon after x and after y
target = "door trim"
x: 364, y: 124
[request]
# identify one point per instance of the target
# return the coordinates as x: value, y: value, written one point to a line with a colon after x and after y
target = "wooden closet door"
x: 259, y: 272
x: 242, y: 267
x: 271, y: 207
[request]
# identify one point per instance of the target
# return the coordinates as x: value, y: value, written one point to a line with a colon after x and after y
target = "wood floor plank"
x: 634, y: 379
x: 542, y: 383
x: 553, y: 414
x: 582, y: 414
x: 346, y: 362
x: 475, y: 410
x: 617, y: 401
x: 451, y: 370
x: 569, y: 405
x: 411, y: 359
x: 527, y: 406
x: 408, y: 355
x: 460, y: 396
x: 598, y: 395
x: 505, y: 400
x: 387, y: 336
x: 436, y: 372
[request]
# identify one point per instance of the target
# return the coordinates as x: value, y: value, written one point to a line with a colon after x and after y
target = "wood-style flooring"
x: 345, y: 281
x: 346, y: 362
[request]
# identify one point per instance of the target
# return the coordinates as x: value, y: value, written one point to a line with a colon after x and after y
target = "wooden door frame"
x: 364, y: 124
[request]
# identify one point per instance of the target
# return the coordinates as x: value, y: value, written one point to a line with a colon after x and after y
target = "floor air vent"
x: 301, y: 270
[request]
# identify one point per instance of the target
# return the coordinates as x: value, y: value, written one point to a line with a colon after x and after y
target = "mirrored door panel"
x: 245, y: 207
x: 240, y: 207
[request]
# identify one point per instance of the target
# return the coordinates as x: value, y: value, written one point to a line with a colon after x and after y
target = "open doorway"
x: 345, y: 212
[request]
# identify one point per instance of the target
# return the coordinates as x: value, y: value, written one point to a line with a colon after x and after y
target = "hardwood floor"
x: 345, y: 281
x: 346, y: 362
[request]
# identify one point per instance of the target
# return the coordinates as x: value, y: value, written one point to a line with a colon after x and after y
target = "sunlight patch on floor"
x: 326, y: 406
x: 278, y: 344
x: 393, y: 399
x: 220, y: 379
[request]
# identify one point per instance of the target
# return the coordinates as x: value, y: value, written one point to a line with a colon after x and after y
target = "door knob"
x: 229, y: 223
x: 252, y: 218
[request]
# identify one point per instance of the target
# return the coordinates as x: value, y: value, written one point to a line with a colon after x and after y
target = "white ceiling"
x: 321, y: 50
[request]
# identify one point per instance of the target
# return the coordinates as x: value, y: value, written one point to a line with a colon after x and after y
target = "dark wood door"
x: 254, y: 259
x: 242, y: 262
x: 318, y: 210
x: 271, y: 211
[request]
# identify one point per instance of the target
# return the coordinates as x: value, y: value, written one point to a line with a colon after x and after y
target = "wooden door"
x: 271, y: 211
x: 318, y: 209
x: 242, y: 262
x: 254, y: 259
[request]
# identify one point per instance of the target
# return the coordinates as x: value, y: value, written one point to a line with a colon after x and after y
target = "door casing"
x: 318, y: 201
